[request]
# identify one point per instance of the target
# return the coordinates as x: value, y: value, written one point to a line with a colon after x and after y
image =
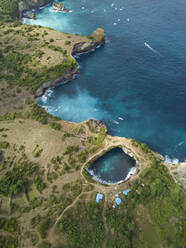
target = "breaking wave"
x: 171, y: 161
x: 131, y: 172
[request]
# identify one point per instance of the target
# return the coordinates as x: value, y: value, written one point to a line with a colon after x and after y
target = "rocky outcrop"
x: 30, y: 16
x: 97, y: 38
x: 96, y: 124
x: 25, y: 5
x: 59, y: 7
x: 67, y: 75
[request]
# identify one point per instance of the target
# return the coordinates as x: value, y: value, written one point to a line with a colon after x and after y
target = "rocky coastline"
x: 67, y: 76
x: 79, y: 48
x: 26, y: 5
x: 97, y: 38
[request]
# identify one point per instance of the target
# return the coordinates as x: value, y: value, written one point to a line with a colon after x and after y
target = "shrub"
x: 39, y: 114
x: 71, y: 149
x: 83, y: 156
x: 44, y: 226
x: 28, y: 101
x: 44, y: 244
x: 67, y: 42
x: 40, y: 185
x: 38, y: 153
x: 55, y: 125
x: 38, y: 53
x: 4, y: 144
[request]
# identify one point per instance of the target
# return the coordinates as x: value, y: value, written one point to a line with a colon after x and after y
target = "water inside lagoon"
x: 113, y: 167
x: 138, y: 75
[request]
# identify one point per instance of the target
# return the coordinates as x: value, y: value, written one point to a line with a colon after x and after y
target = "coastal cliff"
x: 25, y: 5
x: 97, y: 38
x: 67, y: 75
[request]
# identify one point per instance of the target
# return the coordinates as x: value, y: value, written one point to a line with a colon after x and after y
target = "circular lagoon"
x: 113, y: 167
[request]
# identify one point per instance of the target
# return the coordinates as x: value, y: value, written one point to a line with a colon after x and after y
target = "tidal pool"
x: 113, y: 167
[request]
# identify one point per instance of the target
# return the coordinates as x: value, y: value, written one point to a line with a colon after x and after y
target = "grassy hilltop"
x: 46, y: 199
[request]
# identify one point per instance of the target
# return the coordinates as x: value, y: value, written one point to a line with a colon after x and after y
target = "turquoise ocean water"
x: 136, y: 82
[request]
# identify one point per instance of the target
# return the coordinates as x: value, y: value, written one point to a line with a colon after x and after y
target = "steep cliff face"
x: 31, y: 4
x: 97, y: 38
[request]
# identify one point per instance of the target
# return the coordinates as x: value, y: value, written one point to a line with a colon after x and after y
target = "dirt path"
x: 52, y: 231
x: 108, y: 143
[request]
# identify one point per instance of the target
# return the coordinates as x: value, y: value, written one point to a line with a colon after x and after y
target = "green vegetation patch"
x: 9, y: 225
x: 83, y: 225
x: 16, y: 180
x: 4, y: 144
x: 8, y: 242
x: 55, y: 125
x: 44, y: 226
x: 9, y: 10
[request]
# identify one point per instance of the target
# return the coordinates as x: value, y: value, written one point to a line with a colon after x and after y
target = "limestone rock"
x: 96, y: 39
x: 59, y: 7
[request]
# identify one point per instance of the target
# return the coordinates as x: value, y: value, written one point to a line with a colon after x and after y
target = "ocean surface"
x: 136, y: 82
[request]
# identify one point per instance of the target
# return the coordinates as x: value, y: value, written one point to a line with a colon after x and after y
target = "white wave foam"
x: 98, y: 179
x: 171, y: 161
x: 49, y: 92
x: 44, y: 98
x: 58, y: 108
x: 47, y: 109
x: 24, y: 20
x: 181, y: 143
x: 152, y: 49
x: 130, y: 173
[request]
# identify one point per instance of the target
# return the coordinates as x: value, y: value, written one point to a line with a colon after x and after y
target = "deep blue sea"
x: 139, y: 75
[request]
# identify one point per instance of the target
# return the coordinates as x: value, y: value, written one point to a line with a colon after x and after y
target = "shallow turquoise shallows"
x: 136, y: 83
x: 113, y: 167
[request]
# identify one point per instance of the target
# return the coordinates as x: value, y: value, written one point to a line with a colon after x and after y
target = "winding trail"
x: 52, y: 230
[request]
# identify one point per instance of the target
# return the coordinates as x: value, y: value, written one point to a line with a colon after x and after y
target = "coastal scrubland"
x: 45, y: 198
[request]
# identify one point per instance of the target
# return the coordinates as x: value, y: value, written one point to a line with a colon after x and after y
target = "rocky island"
x: 47, y: 199
x: 59, y: 7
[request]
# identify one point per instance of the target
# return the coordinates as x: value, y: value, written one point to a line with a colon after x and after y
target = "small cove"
x: 113, y: 167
